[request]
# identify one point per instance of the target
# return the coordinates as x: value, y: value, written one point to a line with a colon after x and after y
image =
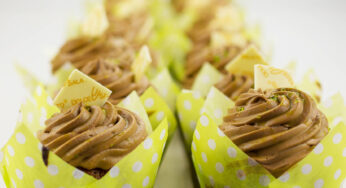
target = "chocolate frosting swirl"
x: 232, y: 85
x: 82, y: 50
x: 277, y: 127
x: 93, y: 137
x: 216, y: 57
x: 120, y: 81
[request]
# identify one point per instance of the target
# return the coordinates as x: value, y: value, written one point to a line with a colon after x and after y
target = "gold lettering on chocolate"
x: 70, y: 83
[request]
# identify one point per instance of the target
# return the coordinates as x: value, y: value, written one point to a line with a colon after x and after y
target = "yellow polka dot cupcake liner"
x: 22, y: 164
x: 219, y: 162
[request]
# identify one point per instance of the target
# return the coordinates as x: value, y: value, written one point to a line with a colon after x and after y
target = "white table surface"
x: 310, y: 32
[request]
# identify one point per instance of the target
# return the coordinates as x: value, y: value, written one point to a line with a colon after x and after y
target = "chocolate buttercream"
x: 232, y: 85
x: 120, y: 81
x: 219, y: 58
x: 277, y: 128
x: 80, y: 51
x: 93, y: 137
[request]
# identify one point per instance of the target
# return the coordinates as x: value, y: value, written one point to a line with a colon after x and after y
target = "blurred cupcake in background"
x: 129, y: 20
x: 82, y: 50
x: 215, y: 42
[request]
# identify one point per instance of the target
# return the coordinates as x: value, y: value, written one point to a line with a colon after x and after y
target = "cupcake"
x: 268, y: 137
x: 120, y: 81
x: 82, y: 145
x: 92, y: 138
x: 276, y: 127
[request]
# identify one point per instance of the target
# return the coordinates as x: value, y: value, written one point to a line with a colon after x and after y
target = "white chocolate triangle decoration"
x: 268, y: 77
x: 81, y: 88
x: 244, y: 63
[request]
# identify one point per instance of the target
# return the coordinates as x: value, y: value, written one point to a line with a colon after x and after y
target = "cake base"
x: 96, y: 173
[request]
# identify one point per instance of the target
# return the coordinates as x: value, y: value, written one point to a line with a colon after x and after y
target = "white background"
x: 310, y: 32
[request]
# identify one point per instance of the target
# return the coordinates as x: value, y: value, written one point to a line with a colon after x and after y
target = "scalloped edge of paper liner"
x: 338, y: 126
x: 168, y: 93
x: 194, y: 101
x: 131, y: 102
x: 46, y: 104
x: 157, y: 109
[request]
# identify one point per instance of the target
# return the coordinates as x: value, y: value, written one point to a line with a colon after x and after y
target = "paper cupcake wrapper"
x: 158, y: 110
x: 189, y: 106
x: 22, y: 164
x: 220, y: 163
x: 190, y: 102
x: 158, y: 102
